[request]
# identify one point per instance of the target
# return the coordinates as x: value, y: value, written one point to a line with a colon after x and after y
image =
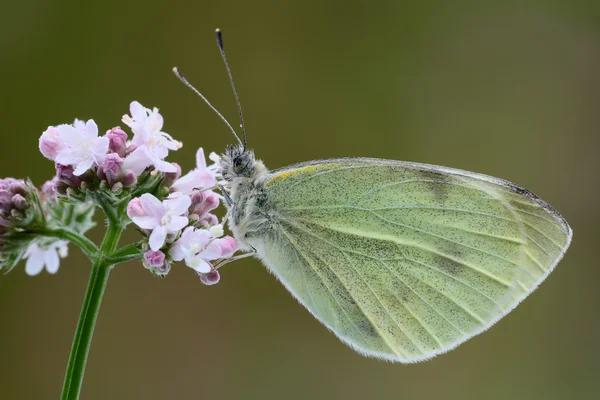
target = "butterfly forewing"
x: 404, y: 261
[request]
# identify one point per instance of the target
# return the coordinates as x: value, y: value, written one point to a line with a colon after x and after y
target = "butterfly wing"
x: 404, y: 261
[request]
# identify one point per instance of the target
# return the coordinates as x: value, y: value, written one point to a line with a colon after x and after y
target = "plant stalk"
x: 89, y: 314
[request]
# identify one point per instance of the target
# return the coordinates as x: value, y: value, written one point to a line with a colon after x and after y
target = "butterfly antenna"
x: 180, y: 76
x: 237, y: 99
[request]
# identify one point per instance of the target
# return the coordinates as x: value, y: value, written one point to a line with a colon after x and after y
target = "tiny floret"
x: 162, y: 218
x: 202, y: 177
x: 82, y: 146
x: 45, y: 255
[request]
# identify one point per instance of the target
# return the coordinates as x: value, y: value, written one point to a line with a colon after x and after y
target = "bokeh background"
x: 510, y: 89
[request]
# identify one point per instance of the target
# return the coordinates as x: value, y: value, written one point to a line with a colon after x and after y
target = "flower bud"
x: 129, y: 178
x: 171, y: 177
x: 210, y: 278
x: 156, y: 262
x: 216, y: 230
x: 19, y: 202
x: 51, y: 143
x: 228, y: 246
x: 64, y: 173
x: 48, y: 189
x: 203, y: 202
x: 18, y: 205
x: 112, y: 168
x: 154, y: 259
x: 117, y: 141
x: 135, y: 209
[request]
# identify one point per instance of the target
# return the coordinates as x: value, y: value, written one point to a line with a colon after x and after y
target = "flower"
x: 156, y: 261
x: 151, y: 144
x: 210, y: 278
x: 51, y: 143
x: 40, y: 256
x: 82, y: 146
x: 198, y: 247
x: 202, y: 177
x: 202, y: 204
x: 135, y: 209
x: 162, y: 218
x: 117, y: 141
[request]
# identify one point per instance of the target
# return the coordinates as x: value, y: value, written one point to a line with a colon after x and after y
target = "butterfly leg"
x: 238, y: 257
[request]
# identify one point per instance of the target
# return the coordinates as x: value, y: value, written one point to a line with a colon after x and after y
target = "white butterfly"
x: 402, y: 261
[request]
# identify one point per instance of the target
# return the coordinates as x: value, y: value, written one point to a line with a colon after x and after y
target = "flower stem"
x: 89, y: 314
x: 87, y: 246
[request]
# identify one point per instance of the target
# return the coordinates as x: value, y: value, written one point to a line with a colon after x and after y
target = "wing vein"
x: 295, y: 245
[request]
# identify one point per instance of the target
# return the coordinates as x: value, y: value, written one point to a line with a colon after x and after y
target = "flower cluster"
x: 85, y: 160
x: 181, y: 227
x: 129, y: 178
x: 26, y: 213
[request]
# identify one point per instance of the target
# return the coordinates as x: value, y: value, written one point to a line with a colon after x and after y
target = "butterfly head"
x: 239, y: 162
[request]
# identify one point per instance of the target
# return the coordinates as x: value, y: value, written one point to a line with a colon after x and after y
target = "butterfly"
x: 402, y: 261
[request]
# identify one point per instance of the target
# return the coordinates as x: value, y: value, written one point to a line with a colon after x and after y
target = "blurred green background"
x: 509, y: 89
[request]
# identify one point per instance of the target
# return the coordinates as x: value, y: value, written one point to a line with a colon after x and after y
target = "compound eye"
x: 238, y: 165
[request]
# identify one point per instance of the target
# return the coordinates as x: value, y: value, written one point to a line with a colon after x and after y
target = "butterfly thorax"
x: 244, y: 178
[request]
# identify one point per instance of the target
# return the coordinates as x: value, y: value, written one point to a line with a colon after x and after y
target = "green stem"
x: 126, y: 253
x: 89, y: 248
x: 89, y: 314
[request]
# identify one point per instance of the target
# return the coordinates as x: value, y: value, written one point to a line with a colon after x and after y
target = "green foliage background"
x: 510, y: 89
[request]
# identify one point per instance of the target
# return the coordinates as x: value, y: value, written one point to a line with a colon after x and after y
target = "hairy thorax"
x: 248, y: 214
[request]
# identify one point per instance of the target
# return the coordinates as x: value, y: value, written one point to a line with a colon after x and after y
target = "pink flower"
x: 202, y: 177
x: 117, y: 141
x: 154, y: 258
x: 197, y: 248
x: 112, y: 168
x: 228, y: 246
x: 210, y: 278
x: 83, y: 147
x: 164, y: 218
x: 51, y: 143
x: 135, y: 209
x: 151, y: 144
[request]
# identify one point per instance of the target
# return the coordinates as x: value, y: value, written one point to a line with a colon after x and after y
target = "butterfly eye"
x: 239, y: 165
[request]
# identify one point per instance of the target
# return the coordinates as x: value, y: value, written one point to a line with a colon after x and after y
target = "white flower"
x: 197, y: 247
x: 202, y: 177
x: 162, y: 218
x: 82, y: 146
x: 48, y: 256
x: 151, y: 144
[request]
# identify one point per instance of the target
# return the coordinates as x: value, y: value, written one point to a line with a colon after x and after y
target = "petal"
x: 91, y: 129
x: 152, y: 206
x: 138, y: 111
x: 176, y: 252
x: 212, y: 251
x: 138, y: 160
x: 69, y: 135
x: 164, y: 166
x: 177, y: 223
x: 68, y: 157
x: 200, y: 159
x: 100, y: 149
x: 51, y: 260
x: 186, y: 183
x: 83, y: 166
x: 35, y: 262
x: 157, y: 238
x: 198, y: 264
x: 146, y: 222
x: 180, y: 204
